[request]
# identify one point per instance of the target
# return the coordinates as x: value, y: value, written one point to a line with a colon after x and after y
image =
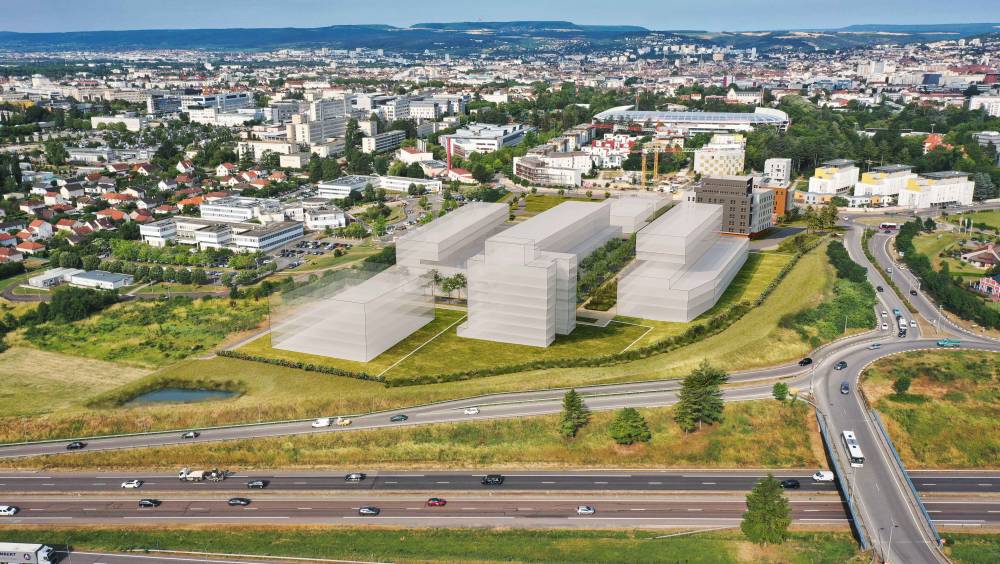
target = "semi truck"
x: 25, y: 553
x: 214, y: 475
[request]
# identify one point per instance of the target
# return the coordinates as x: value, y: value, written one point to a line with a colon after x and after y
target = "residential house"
x: 226, y: 169
x: 117, y: 168
x: 983, y: 257
x: 185, y: 167
x: 113, y: 215
x: 8, y: 254
x: 30, y: 247
x: 31, y: 206
x: 40, y: 230
x: 988, y: 286
x: 67, y: 224
x: 7, y: 240
x: 72, y: 190
x: 144, y: 169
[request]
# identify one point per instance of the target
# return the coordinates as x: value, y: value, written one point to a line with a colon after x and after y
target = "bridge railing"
x: 902, y: 469
x: 831, y: 449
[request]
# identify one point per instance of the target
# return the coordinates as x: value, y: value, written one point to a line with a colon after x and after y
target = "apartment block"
x: 738, y: 199
x: 682, y: 265
x: 723, y: 156
x: 835, y: 177
x: 937, y: 189
x: 778, y: 170
x: 483, y: 138
x: 522, y: 288
x: 381, y: 142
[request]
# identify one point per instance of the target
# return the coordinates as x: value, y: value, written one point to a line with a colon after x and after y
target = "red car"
x: 436, y: 502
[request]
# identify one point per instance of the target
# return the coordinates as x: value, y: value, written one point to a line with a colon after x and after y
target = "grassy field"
x: 473, y: 546
x: 536, y: 203
x: 989, y: 217
x: 753, y: 434
x: 448, y: 352
x: 948, y: 419
x: 759, y: 270
x: 164, y: 287
x: 932, y: 244
x: 356, y: 253
x: 147, y: 333
x: 30, y: 374
x: 274, y: 392
x: 972, y: 548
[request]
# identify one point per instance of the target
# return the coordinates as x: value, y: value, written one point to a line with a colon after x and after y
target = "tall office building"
x: 735, y: 195
x: 522, y: 288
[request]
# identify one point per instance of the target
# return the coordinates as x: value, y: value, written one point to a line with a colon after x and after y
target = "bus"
x: 853, y: 449
x: 889, y: 226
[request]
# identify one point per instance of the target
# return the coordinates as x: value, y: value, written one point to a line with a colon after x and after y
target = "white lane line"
x: 88, y: 509
x: 469, y: 508
x: 36, y: 510
x: 413, y: 508
x: 928, y: 484
x: 637, y: 509
x: 437, y: 517
x: 189, y: 517
x: 304, y: 508
x: 984, y: 485
x: 525, y: 508
x: 708, y: 483
x: 542, y: 482
x: 655, y: 483
x: 442, y: 482
x: 600, y: 482
x: 933, y: 511
x: 299, y: 483
x: 390, y: 482
x: 45, y: 518
x: 692, y: 509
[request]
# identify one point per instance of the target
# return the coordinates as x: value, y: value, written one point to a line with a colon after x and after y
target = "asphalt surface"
x: 14, y: 483
x: 547, y: 511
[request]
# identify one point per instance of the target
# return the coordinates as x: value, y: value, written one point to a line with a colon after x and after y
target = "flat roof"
x: 893, y: 168
x: 456, y: 222
x: 681, y: 220
x: 102, y: 276
x: 547, y: 223
x: 946, y: 174
x: 755, y: 118
x: 839, y: 163
x: 389, y: 281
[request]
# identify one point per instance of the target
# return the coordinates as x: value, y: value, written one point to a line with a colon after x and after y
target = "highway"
x: 527, y: 511
x: 16, y: 483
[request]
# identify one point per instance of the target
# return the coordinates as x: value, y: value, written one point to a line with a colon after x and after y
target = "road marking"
x: 927, y: 484
x: 811, y: 510
x: 304, y: 508
x: 36, y: 510
x: 600, y: 482
x: 188, y: 517
x: 636, y: 509
x: 390, y: 482
x: 542, y: 482
x: 46, y: 518
x: 300, y: 483
x: 654, y: 483
x: 413, y: 508
x: 88, y: 509
x: 469, y: 508
x: 693, y: 509
x: 525, y: 508
x: 933, y: 511
x: 197, y: 509
x: 99, y: 484
x: 441, y: 482
x: 985, y: 485
x: 48, y: 484
x: 708, y: 483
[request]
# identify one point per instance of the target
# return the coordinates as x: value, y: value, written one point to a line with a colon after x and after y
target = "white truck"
x: 24, y: 553
x: 189, y: 475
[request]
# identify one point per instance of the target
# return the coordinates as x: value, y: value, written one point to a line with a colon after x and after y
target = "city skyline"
x: 725, y: 15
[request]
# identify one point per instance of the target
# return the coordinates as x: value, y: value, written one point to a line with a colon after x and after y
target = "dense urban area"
x: 500, y: 291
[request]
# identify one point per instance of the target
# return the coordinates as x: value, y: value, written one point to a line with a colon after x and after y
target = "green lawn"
x: 965, y: 548
x: 473, y: 546
x: 165, y: 287
x: 753, y: 434
x: 274, y: 392
x: 948, y: 419
x: 147, y: 333
x: 449, y: 353
x: 537, y: 203
x: 932, y: 244
x: 989, y: 217
x: 759, y: 270
x: 356, y: 253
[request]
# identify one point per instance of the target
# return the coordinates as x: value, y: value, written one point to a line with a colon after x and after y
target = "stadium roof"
x: 763, y: 116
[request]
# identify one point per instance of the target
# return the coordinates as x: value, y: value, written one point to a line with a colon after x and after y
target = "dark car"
x: 369, y: 511
x: 76, y: 445
x: 840, y: 365
x: 492, y: 480
x: 880, y: 288
x: 790, y: 484
x: 845, y: 388
x: 148, y: 502
x: 399, y: 418
x: 191, y: 435
x: 436, y: 502
x: 901, y: 334
x: 355, y: 476
x: 257, y: 484
x: 239, y: 501
x: 913, y: 292
x: 805, y: 361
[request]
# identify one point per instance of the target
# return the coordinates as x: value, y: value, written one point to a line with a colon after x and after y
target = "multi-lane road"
x: 17, y: 483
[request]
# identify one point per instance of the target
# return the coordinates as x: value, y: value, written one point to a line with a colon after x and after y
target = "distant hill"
x: 473, y: 36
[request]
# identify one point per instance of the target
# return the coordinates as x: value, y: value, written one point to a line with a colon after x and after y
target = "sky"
x: 714, y: 15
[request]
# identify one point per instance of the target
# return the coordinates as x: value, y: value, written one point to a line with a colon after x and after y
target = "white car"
x: 7, y: 510
x: 885, y: 313
x: 913, y: 324
x: 885, y: 326
x: 823, y: 476
x: 322, y: 422
x: 585, y: 510
x: 343, y: 421
x: 471, y: 411
x: 132, y: 484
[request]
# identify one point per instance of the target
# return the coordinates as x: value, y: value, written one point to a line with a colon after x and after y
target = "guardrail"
x: 892, y: 448
x: 856, y: 523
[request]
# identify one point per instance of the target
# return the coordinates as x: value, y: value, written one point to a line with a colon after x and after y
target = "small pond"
x: 179, y: 395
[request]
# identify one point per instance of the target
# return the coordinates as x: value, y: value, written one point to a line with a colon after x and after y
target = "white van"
x: 321, y: 422
x: 823, y: 476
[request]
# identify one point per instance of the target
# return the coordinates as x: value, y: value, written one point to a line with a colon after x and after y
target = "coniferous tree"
x: 768, y: 514
x: 574, y: 414
x: 629, y: 427
x: 700, y: 398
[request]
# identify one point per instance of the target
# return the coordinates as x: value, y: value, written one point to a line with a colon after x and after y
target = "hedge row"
x: 693, y: 334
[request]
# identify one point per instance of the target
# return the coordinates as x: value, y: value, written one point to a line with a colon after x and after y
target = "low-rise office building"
x: 682, y: 265
x: 937, y: 189
x: 206, y: 233
x: 240, y: 209
x: 101, y: 280
x: 835, y: 177
x: 381, y: 142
